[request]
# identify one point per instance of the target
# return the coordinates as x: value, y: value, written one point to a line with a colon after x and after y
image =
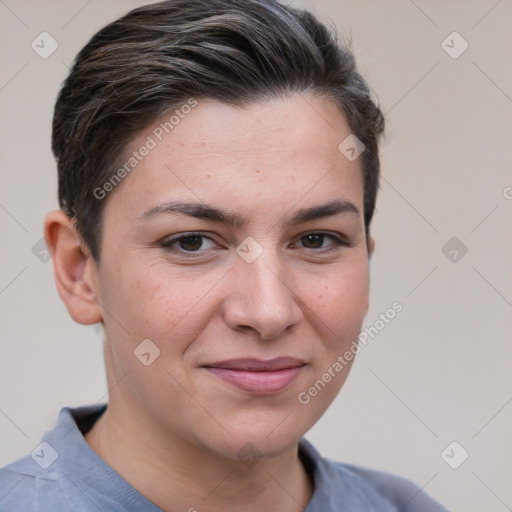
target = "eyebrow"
x: 228, y: 217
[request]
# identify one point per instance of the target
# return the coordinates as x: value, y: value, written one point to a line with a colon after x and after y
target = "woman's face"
x: 259, y: 298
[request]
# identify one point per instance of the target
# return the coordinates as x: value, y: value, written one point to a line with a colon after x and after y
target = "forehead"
x: 278, y: 150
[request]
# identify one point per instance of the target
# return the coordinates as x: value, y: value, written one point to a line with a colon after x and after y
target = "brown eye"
x: 313, y: 241
x: 189, y: 244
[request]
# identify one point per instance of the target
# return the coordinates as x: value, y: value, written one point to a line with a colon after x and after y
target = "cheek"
x: 147, y: 303
x: 162, y: 303
x: 343, y: 303
x: 150, y: 297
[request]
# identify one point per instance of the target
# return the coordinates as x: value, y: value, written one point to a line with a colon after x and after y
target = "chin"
x: 251, y: 450
x: 254, y: 442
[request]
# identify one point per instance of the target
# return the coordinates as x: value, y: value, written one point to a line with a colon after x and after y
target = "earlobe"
x: 73, y: 267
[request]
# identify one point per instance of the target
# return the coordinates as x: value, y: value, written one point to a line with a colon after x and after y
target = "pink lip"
x: 257, y: 376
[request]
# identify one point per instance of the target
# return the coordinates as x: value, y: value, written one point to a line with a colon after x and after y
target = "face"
x: 237, y: 247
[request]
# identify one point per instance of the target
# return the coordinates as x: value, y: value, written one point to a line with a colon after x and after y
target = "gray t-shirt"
x: 63, y: 474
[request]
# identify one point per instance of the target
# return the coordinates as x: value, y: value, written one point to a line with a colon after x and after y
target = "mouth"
x: 257, y: 376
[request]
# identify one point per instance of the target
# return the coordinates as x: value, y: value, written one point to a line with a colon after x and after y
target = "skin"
x: 172, y: 429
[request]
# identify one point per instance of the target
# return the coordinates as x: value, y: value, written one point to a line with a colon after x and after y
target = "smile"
x: 256, y: 376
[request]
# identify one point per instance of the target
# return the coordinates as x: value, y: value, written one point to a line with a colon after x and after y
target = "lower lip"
x: 261, y: 383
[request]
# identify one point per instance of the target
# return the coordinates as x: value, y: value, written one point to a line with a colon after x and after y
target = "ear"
x: 75, y: 270
x: 370, y: 243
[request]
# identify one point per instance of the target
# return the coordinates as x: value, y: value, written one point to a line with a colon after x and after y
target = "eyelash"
x: 168, y: 245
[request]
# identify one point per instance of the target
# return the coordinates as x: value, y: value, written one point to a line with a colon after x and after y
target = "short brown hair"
x: 157, y: 57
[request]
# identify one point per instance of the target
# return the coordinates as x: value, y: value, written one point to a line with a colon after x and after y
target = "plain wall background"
x: 440, y: 371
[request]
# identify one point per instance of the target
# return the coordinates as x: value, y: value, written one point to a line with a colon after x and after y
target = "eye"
x: 193, y: 244
x: 315, y: 241
x: 188, y: 243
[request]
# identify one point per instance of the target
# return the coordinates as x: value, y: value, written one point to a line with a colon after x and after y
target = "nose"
x: 261, y: 298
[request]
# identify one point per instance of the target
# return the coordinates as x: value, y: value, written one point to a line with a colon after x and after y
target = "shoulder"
x: 45, y: 479
x: 401, y: 492
x: 22, y: 481
x: 361, y: 488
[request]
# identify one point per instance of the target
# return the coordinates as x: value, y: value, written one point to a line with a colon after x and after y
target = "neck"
x: 176, y: 475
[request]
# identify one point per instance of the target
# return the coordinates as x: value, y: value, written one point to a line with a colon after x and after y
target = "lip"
x: 256, y: 376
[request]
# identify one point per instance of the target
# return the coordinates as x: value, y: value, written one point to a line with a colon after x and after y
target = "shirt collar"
x: 76, y: 457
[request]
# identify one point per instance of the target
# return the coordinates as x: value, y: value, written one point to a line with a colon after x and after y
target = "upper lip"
x: 257, y: 365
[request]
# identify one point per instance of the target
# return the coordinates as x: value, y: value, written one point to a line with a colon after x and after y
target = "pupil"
x: 315, y: 239
x: 184, y: 242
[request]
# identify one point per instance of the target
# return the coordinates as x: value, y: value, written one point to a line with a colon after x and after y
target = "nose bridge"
x: 267, y: 279
x: 264, y: 300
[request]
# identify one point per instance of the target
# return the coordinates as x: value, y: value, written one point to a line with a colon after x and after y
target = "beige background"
x: 440, y: 371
